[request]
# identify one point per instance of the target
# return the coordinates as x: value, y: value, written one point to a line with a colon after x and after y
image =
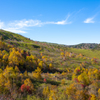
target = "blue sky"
x: 57, y: 21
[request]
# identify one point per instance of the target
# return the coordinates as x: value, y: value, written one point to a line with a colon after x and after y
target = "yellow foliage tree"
x: 28, y: 82
x: 46, y: 91
x: 37, y: 73
x: 50, y: 66
x: 93, y: 97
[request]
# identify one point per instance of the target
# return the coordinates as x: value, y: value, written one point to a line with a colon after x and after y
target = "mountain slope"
x: 32, y: 70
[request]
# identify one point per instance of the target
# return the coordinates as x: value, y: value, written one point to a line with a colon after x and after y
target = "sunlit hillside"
x: 33, y: 70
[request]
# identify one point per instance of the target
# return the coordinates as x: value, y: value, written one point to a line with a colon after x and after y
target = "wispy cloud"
x: 74, y: 15
x: 89, y: 20
x: 19, y: 26
x: 25, y: 23
x: 15, y: 30
x: 63, y: 22
x: 79, y: 11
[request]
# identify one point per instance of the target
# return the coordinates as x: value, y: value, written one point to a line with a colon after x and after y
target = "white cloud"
x: 63, y: 22
x: 18, y: 26
x: 89, y: 20
x: 1, y: 25
x: 25, y: 23
x: 15, y: 30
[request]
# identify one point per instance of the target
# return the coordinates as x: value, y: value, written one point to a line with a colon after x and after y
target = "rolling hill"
x: 33, y: 70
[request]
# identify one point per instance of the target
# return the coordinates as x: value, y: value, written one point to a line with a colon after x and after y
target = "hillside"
x: 9, y: 36
x: 32, y: 70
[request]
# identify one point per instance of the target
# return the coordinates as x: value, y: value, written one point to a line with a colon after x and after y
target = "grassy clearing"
x: 87, y: 53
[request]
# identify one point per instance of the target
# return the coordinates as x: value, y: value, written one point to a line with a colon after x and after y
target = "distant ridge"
x: 85, y: 46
